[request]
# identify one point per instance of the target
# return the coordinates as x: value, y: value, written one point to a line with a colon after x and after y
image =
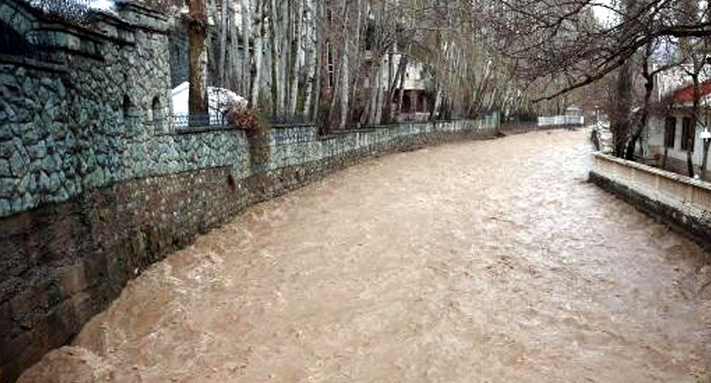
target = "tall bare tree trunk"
x: 318, y: 33
x: 704, y: 164
x: 621, y: 124
x: 296, y: 53
x: 437, y: 103
x: 397, y: 81
x: 274, y: 58
x: 373, y: 99
x: 258, y: 53
x: 379, y: 99
x: 233, y: 70
x: 225, y: 18
x: 401, y: 92
x: 283, y: 56
x: 335, y: 88
x: 358, y: 50
x: 345, y: 73
x: 197, y: 33
x: 648, y: 88
x: 694, y: 122
x: 311, y: 60
x: 246, y: 62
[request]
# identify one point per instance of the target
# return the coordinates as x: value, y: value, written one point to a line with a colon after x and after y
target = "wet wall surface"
x: 490, y: 261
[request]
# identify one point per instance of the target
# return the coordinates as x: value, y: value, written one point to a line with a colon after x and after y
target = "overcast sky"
x: 102, y: 4
x: 603, y: 14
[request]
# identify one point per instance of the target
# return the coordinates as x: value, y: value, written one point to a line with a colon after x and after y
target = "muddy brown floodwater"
x: 489, y: 261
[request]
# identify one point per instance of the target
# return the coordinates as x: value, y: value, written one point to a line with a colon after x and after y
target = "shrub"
x: 249, y: 120
x: 246, y: 119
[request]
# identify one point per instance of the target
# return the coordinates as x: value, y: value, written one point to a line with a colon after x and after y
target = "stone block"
x: 5, y: 168
x: 19, y: 163
x: 8, y: 186
x: 37, y: 151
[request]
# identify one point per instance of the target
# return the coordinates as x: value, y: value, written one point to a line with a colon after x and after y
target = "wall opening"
x: 157, y: 113
x: 406, y: 104
x: 126, y: 108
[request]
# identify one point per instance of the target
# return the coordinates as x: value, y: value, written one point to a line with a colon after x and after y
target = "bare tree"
x: 197, y: 33
x: 295, y: 57
x: 258, y: 53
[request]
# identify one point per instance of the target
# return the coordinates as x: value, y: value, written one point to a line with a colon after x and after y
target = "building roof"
x: 687, y: 93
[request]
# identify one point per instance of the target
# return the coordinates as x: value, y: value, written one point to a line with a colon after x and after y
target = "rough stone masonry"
x: 95, y: 184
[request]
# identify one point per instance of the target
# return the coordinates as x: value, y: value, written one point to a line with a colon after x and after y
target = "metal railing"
x: 193, y: 120
x: 561, y: 120
x: 288, y: 119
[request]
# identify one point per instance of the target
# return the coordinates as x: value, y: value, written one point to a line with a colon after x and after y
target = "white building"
x: 666, y: 142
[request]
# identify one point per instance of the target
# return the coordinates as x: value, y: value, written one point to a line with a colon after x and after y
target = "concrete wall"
x: 561, y: 120
x: 680, y: 201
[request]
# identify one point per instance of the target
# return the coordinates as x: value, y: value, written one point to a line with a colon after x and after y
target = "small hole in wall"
x: 157, y: 115
x: 231, y: 182
x: 126, y: 107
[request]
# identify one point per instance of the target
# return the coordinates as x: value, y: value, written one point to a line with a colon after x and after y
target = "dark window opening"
x: 688, y: 135
x: 669, y: 132
x: 406, y: 104
x: 12, y: 43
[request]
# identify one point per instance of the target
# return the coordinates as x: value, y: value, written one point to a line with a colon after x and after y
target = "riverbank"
x: 477, y: 261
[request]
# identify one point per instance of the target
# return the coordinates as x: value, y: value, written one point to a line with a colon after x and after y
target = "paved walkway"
x: 490, y: 261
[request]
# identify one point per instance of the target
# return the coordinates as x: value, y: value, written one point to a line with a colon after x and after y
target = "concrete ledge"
x: 671, y: 199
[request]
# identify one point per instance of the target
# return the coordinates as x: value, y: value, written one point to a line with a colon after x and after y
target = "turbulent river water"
x: 489, y: 261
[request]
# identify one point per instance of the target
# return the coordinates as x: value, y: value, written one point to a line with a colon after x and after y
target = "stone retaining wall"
x: 61, y: 262
x: 85, y: 112
x: 95, y: 185
x: 674, y: 199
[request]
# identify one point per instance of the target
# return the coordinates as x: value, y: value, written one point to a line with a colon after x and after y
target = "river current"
x: 484, y: 261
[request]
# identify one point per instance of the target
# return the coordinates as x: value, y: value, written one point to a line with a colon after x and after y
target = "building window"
x: 406, y: 104
x: 688, y: 134
x: 669, y: 132
x: 423, y: 103
x: 329, y: 66
x: 157, y: 116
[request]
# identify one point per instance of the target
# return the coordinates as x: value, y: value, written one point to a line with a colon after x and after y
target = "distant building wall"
x: 653, y: 147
